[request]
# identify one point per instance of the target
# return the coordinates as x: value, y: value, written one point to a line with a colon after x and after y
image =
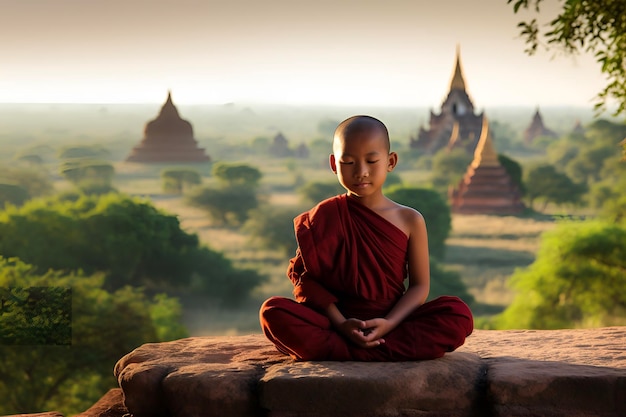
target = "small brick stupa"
x: 168, y: 138
x: 536, y: 129
x: 486, y: 188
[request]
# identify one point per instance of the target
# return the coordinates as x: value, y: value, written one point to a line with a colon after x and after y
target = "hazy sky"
x: 375, y: 52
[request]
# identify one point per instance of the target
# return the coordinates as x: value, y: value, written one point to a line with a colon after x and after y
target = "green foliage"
x: 314, y: 192
x: 127, y: 239
x: 35, y: 181
x: 12, y: 194
x: 444, y: 282
x: 449, y: 167
x: 237, y: 174
x: 35, y: 315
x: 30, y: 159
x: 272, y: 227
x: 83, y: 151
x: 591, y: 26
x: 514, y: 169
x: 435, y: 210
x: 174, y: 180
x: 227, y: 205
x: 577, y: 280
x: 77, y: 171
x: 216, y: 276
x: 609, y: 197
x: 545, y: 183
x: 587, y: 166
x: 104, y: 327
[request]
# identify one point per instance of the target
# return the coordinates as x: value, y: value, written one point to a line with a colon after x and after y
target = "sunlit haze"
x: 388, y: 53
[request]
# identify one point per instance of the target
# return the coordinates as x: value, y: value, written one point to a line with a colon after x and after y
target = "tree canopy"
x: 237, y: 174
x: 127, y: 239
x: 577, y: 279
x: 65, y: 334
x: 596, y: 26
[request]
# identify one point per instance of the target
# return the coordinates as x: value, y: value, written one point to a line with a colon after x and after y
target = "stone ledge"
x: 573, y: 373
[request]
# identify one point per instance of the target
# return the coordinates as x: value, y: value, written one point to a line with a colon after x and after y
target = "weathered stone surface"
x: 196, y: 376
x: 574, y: 373
x: 600, y: 347
x: 320, y: 389
x: 520, y: 388
x: 110, y: 405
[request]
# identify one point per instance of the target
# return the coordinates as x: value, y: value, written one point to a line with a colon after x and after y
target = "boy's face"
x: 361, y: 161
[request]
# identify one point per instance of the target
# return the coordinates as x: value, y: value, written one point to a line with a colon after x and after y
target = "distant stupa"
x: 537, y: 129
x: 486, y: 188
x: 456, y: 125
x: 168, y: 138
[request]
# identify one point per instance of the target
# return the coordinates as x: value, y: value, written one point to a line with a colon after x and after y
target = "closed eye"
x: 346, y: 162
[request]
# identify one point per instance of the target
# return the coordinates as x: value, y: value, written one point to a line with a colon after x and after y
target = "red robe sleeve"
x: 306, y: 289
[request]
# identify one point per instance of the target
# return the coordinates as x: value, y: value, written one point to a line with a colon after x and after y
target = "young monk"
x: 354, y: 253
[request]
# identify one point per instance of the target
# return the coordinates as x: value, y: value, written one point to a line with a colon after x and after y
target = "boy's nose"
x: 362, y: 171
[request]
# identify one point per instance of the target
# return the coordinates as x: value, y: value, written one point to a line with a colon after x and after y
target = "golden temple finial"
x: 457, y: 81
x: 485, y: 154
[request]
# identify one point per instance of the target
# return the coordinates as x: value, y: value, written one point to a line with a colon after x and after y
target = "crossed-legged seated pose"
x: 355, y: 252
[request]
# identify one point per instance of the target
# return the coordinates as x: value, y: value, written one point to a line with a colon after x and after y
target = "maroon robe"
x: 349, y: 255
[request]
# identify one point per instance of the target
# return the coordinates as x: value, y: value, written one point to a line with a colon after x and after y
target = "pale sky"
x: 341, y: 52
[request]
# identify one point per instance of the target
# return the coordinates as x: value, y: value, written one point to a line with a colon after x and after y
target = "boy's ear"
x: 392, y: 161
x: 333, y: 163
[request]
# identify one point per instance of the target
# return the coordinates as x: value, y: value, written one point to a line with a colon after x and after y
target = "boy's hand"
x: 363, y: 333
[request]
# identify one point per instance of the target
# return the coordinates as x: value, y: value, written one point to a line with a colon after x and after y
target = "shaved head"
x: 356, y: 125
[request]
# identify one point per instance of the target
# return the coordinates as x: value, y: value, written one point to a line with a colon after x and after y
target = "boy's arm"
x: 419, y: 272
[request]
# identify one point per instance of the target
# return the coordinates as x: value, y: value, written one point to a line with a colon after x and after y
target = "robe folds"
x: 351, y: 256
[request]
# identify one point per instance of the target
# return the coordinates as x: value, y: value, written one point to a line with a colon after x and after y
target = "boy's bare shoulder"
x: 406, y: 218
x: 410, y: 214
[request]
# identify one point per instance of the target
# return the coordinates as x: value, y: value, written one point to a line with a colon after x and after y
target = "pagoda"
x: 168, y: 138
x: 456, y: 125
x: 486, y: 188
x: 537, y: 129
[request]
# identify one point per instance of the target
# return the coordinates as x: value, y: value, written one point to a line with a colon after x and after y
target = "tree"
x: 597, y: 26
x: 514, y: 169
x: 70, y: 374
x: 83, y: 151
x: 545, y: 183
x: 272, y: 227
x: 227, y: 205
x: 577, y: 280
x: 36, y: 182
x: 90, y: 176
x: 127, y: 239
x: 435, y: 210
x: 449, y: 167
x: 314, y: 192
x: 12, y: 194
x: 175, y: 179
x: 237, y: 174
x: 444, y: 282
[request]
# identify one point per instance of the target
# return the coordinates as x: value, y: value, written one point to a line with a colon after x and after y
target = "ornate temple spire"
x: 485, y: 154
x: 457, y: 82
